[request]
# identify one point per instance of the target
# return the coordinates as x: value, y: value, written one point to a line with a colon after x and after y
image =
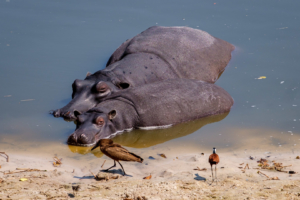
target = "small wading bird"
x: 116, y: 152
x: 214, y: 160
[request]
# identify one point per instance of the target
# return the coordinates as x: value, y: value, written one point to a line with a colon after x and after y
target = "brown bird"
x: 214, y: 160
x: 116, y: 152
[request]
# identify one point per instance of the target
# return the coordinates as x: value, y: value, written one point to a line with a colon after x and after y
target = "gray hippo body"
x: 158, y: 53
x: 155, y: 105
x: 161, y: 53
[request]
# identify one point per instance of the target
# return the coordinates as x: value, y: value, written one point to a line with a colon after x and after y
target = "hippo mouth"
x: 68, y: 115
x: 82, y: 145
x: 83, y: 139
x: 90, y: 139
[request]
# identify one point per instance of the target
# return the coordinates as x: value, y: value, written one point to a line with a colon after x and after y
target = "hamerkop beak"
x: 96, y: 145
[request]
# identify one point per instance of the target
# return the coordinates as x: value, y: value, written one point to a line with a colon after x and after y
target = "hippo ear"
x: 112, y: 114
x: 88, y: 74
x: 102, y: 87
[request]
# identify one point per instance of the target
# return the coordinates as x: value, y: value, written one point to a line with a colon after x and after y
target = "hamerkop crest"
x: 116, y: 152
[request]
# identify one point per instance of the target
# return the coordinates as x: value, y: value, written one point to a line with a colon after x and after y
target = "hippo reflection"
x: 146, y: 138
x: 158, y: 53
x: 156, y: 105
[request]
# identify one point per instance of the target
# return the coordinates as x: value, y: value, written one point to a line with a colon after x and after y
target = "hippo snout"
x: 56, y: 113
x: 81, y: 139
x: 70, y: 115
x: 66, y: 115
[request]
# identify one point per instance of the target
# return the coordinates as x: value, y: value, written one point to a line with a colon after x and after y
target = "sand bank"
x: 173, y: 177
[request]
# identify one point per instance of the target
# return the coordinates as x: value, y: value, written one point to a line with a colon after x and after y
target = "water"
x: 46, y: 45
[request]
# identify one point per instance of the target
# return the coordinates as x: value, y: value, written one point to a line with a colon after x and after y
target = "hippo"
x: 139, y: 138
x: 158, y: 53
x: 160, y: 104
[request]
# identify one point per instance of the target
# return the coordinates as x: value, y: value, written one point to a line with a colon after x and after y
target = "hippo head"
x: 86, y: 95
x: 91, y: 127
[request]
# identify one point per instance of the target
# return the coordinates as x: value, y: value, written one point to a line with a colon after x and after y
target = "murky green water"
x: 46, y: 45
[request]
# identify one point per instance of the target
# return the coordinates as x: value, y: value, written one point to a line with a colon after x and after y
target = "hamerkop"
x: 214, y: 160
x: 116, y: 152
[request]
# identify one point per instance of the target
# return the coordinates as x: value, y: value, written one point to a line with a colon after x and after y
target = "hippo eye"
x: 99, y: 121
x: 101, y: 87
x: 101, y: 90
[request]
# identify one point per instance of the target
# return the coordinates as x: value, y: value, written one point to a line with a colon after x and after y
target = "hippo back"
x: 189, y: 53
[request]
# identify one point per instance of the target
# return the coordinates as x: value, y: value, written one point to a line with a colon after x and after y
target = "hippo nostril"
x: 83, y: 136
x: 83, y: 139
x: 72, y: 139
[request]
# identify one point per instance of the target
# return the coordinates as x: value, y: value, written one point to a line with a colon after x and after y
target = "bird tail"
x: 140, y: 159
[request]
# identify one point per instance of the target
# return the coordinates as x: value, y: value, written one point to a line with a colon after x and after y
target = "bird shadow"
x: 199, y: 178
x: 115, y: 171
x: 84, y: 177
x: 71, y: 195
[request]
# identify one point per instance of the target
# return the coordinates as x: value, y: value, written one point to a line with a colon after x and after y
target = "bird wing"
x: 214, y: 159
x: 210, y: 158
x: 117, y: 152
x: 116, y: 145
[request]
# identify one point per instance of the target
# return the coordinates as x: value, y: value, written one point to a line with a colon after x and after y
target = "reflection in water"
x: 85, y: 150
x: 147, y: 138
x: 256, y: 141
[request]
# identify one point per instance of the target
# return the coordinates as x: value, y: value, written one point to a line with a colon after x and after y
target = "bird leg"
x: 122, y: 168
x: 212, y: 174
x: 110, y: 167
x: 216, y: 173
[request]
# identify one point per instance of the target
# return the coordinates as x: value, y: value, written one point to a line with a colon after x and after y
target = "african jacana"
x: 214, y: 160
x: 116, y: 152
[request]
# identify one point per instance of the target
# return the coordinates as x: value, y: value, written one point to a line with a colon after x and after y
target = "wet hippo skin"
x: 158, y: 53
x: 155, y: 105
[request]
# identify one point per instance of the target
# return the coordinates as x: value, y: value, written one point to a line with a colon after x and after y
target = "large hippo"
x: 158, y: 53
x: 139, y: 138
x: 156, y: 105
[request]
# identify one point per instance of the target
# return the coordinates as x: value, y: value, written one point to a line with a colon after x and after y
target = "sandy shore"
x: 173, y: 177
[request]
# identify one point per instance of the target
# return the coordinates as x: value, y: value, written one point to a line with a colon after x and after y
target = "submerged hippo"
x: 158, y: 53
x: 155, y: 105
